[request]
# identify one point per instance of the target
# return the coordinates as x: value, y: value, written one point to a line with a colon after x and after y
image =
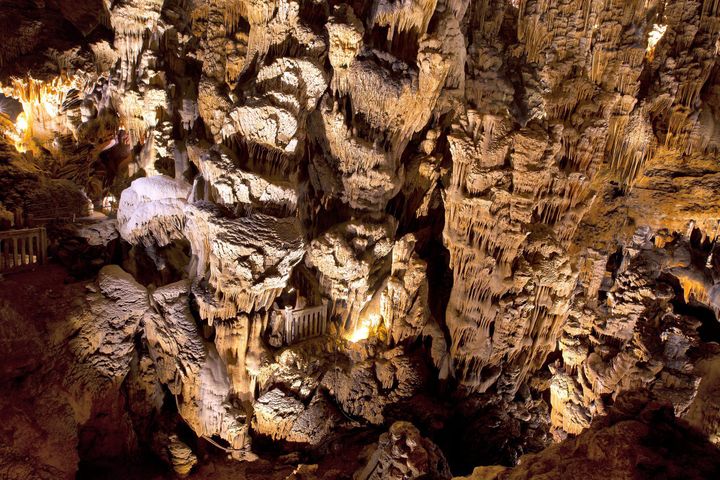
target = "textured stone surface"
x: 627, y: 444
x: 152, y: 210
x: 494, y: 218
x: 403, y: 453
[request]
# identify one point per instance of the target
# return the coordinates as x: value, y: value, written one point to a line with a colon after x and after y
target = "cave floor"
x: 37, y: 307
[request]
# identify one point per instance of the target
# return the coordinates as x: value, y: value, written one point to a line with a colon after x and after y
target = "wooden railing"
x: 304, y: 323
x: 41, y: 213
x: 22, y: 248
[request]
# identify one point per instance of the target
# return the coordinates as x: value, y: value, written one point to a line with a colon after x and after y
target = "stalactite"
x: 535, y: 36
x: 234, y: 11
x: 325, y: 158
x: 408, y: 16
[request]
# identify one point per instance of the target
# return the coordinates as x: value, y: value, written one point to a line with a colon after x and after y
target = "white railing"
x: 22, y: 248
x: 304, y: 323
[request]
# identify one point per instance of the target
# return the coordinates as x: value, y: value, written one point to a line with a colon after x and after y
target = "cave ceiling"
x: 426, y: 235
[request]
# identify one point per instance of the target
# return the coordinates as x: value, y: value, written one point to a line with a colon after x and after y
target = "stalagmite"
x: 301, y: 239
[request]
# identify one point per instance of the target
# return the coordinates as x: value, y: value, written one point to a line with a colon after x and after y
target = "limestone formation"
x: 247, y: 261
x: 350, y: 259
x: 277, y: 228
x: 152, y: 210
x: 625, y: 445
x: 364, y: 388
x: 283, y: 417
x: 403, y: 453
x: 182, y: 457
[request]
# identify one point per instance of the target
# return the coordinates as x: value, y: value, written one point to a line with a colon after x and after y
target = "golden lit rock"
x: 382, y: 239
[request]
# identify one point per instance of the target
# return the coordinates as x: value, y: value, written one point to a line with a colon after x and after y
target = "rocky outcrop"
x: 627, y: 444
x: 192, y: 369
x: 350, y: 260
x: 287, y: 92
x: 248, y: 262
x: 403, y: 453
x: 364, y: 387
x: 647, y: 342
x: 241, y: 190
x: 152, y: 211
x: 183, y: 459
x: 326, y: 208
x: 283, y: 417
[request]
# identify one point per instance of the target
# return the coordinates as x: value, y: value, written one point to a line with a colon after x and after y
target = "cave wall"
x: 515, y: 201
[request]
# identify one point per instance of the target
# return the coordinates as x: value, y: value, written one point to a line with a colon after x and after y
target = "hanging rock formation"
x: 442, y: 220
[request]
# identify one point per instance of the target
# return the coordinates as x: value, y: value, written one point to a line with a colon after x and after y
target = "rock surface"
x: 491, y: 218
x: 628, y: 444
x: 402, y: 453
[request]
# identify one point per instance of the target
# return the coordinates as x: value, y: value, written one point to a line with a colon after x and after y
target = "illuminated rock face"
x: 403, y: 453
x: 151, y: 211
x: 329, y: 211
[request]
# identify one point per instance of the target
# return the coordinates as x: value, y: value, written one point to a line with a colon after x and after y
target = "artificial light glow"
x: 21, y: 127
x: 21, y: 123
x: 109, y: 203
x: 41, y: 119
x: 366, y: 327
x: 654, y: 37
x: 16, y: 132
